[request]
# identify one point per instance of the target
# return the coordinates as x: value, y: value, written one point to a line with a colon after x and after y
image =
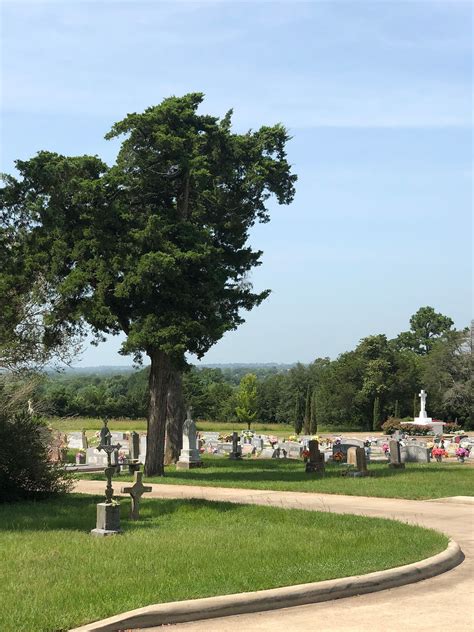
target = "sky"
x: 377, y: 97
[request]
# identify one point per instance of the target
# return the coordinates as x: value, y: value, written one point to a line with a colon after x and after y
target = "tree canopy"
x: 154, y: 246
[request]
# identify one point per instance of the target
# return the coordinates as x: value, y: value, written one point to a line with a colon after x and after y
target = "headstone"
x: 248, y: 449
x: 415, y: 453
x: 343, y: 448
x: 269, y: 453
x: 136, y: 491
x: 134, y: 446
x: 94, y: 457
x: 77, y: 441
x: 395, y: 455
x: 357, y: 457
x: 236, y: 449
x: 315, y: 462
x: 224, y: 448
x: 189, y: 456
x: 142, y: 451
x: 257, y: 442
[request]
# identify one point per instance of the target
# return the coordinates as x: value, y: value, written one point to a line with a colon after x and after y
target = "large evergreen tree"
x: 154, y: 247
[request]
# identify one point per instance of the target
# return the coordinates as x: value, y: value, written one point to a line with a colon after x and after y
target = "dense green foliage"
x: 155, y: 246
x: 377, y: 377
x: 48, y: 556
x: 25, y: 471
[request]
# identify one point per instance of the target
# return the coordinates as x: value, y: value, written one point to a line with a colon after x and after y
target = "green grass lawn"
x: 54, y: 575
x: 91, y: 425
x: 416, y: 481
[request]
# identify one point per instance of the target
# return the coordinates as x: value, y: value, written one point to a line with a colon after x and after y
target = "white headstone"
x: 189, y: 456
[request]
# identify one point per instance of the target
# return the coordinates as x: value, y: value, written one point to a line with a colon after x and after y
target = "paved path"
x: 443, y: 603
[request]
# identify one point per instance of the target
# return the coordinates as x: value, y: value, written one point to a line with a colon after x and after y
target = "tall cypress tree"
x: 299, y: 413
x: 307, y: 412
x: 376, y: 414
x: 314, y: 421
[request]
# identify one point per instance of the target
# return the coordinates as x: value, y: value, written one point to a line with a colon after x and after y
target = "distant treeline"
x: 380, y: 378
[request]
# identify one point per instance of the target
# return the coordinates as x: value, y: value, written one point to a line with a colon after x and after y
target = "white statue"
x: 422, y: 397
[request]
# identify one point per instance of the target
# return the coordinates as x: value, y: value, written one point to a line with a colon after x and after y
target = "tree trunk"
x: 158, y: 384
x: 175, y: 416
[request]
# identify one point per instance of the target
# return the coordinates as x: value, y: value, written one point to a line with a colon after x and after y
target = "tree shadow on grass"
x: 77, y: 512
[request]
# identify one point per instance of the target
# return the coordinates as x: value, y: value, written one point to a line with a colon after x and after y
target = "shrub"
x: 416, y: 429
x: 391, y: 425
x: 451, y: 427
x: 25, y: 471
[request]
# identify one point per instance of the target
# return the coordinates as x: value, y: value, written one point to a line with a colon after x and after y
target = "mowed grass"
x: 54, y: 575
x: 416, y: 481
x: 91, y: 425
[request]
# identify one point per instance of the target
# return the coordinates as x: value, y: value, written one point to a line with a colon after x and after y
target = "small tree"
x: 313, y: 421
x: 376, y: 414
x: 299, y: 413
x: 307, y: 411
x: 246, y: 408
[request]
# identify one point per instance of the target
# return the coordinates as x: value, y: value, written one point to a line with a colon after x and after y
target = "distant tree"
x: 376, y: 414
x: 299, y: 413
x: 307, y: 412
x: 246, y: 408
x: 313, y: 429
x: 154, y: 247
x: 448, y: 378
x: 425, y: 327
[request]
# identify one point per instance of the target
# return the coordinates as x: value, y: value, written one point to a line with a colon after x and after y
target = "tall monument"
x: 423, y: 419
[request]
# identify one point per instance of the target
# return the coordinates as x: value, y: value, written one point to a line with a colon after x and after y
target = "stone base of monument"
x: 189, y: 459
x: 108, y: 520
x: 235, y: 456
x: 397, y: 466
x: 318, y: 466
x: 188, y: 465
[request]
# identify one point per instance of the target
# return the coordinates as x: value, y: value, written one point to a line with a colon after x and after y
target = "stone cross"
x: 422, y: 397
x: 109, y: 470
x: 136, y: 491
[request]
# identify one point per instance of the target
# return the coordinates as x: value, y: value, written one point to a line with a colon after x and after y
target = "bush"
x: 451, y: 427
x: 25, y: 471
x: 391, y: 425
x: 416, y: 430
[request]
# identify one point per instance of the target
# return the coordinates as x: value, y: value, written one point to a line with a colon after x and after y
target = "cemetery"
x: 211, y: 421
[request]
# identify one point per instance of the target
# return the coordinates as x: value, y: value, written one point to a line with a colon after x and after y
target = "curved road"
x: 443, y: 603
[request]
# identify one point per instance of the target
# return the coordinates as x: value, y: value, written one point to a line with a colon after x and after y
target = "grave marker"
x: 136, y: 491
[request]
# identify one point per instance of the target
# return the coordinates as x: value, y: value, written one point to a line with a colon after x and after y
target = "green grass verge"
x: 91, y: 425
x: 416, y: 481
x: 54, y: 575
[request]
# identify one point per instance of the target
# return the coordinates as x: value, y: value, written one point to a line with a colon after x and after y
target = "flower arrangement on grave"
x: 338, y: 456
x: 438, y: 453
x: 292, y: 438
x: 385, y: 448
x: 272, y: 440
x: 248, y: 433
x: 122, y: 456
x: 337, y: 441
x: 462, y: 453
x: 80, y: 457
x: 305, y: 454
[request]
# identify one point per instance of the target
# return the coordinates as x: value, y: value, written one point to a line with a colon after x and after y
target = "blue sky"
x: 377, y: 97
